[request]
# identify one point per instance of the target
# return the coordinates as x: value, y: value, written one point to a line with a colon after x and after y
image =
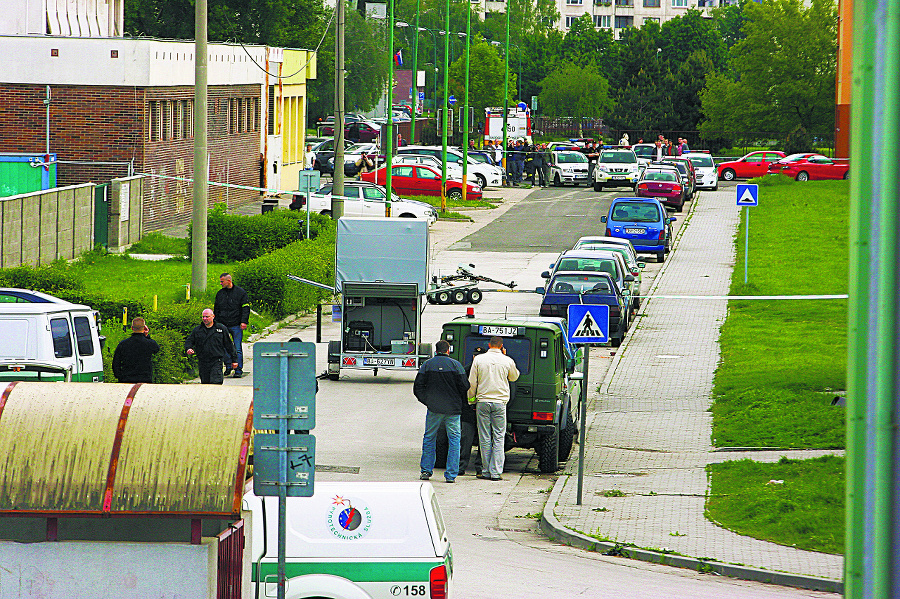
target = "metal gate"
x: 231, y: 553
x: 101, y: 215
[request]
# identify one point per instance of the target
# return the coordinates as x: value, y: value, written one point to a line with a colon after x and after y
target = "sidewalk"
x: 649, y: 429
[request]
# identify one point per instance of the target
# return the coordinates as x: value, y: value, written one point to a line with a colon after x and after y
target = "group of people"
x: 463, y: 404
x: 525, y: 162
x: 665, y: 147
x: 216, y: 341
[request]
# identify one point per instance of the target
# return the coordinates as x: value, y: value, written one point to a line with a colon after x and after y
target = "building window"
x: 153, y: 125
x: 270, y: 115
x: 602, y: 21
x: 166, y: 129
x: 679, y: 3
x: 651, y: 4
x: 623, y: 22
x: 574, y: 2
x: 571, y: 20
x: 651, y: 20
x: 626, y: 3
x: 188, y: 118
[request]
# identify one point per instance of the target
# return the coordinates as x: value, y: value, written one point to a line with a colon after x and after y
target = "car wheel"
x: 661, y: 256
x: 455, y: 195
x: 846, y: 175
x: 616, y: 341
x: 598, y: 186
x: 716, y: 188
x: 482, y: 182
x: 326, y: 213
x: 556, y: 181
x: 802, y: 176
x: 459, y: 296
x: 680, y: 206
x: 475, y: 295
x: 407, y: 215
x: 728, y: 174
x: 548, y: 452
x: 567, y: 438
x: 442, y: 297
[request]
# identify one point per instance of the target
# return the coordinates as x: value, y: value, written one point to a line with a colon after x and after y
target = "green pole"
x: 872, y: 363
x: 446, y: 105
x: 506, y: 89
x: 415, y: 79
x: 465, y: 114
x: 389, y: 125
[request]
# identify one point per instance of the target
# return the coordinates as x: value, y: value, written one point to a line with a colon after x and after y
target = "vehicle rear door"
x: 87, y: 349
x: 62, y: 341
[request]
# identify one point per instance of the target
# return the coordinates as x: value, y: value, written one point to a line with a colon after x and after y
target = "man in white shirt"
x: 489, y: 381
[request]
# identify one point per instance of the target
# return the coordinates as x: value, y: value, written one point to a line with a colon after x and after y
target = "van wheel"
x: 566, y: 438
x: 598, y: 186
x: 661, y: 256
x: 548, y: 452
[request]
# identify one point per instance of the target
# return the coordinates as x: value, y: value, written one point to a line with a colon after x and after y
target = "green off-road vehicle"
x: 543, y: 408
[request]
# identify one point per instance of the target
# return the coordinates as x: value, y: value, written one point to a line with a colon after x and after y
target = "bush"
x: 798, y: 141
x: 170, y: 364
x: 265, y: 279
x: 50, y: 278
x: 236, y: 238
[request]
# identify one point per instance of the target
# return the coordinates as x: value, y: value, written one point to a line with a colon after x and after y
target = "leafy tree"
x: 585, y: 44
x: 639, y: 49
x: 689, y: 81
x: 687, y: 33
x: 729, y: 19
x: 781, y: 75
x: 643, y: 105
x: 575, y: 91
x: 486, y: 78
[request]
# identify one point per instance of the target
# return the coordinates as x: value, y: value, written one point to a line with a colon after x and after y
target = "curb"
x: 555, y: 531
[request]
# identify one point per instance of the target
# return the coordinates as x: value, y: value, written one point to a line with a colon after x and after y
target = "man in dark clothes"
x: 132, y: 360
x: 211, y: 343
x: 441, y: 385
x: 232, y: 309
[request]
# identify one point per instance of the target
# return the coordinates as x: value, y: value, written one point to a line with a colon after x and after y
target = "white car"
x: 644, y: 153
x: 568, y: 166
x: 362, y: 198
x: 487, y: 175
x: 454, y: 170
x: 616, y: 167
x: 705, y: 169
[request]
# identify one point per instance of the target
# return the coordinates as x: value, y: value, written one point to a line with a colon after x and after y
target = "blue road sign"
x: 452, y: 100
x: 747, y: 194
x: 301, y: 463
x: 421, y: 95
x: 300, y: 385
x: 588, y: 323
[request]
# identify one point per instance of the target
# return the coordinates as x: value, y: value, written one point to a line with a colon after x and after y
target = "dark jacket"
x: 211, y: 344
x: 441, y: 385
x: 132, y: 360
x: 232, y: 306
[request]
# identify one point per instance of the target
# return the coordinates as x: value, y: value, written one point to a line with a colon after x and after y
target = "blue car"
x: 644, y: 222
x: 574, y: 287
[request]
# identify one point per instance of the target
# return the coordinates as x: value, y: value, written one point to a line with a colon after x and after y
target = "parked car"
x: 568, y: 167
x: 594, y: 288
x: 626, y: 250
x: 488, y: 175
x: 688, y: 175
x: 357, y: 131
x: 705, y: 169
x: 664, y: 183
x: 318, y: 155
x: 644, y: 222
x: 483, y: 156
x: 596, y: 261
x: 754, y: 164
x: 811, y: 167
x: 354, y: 157
x: 454, y: 170
x: 616, y: 167
x: 420, y: 179
x: 368, y: 199
x: 644, y: 153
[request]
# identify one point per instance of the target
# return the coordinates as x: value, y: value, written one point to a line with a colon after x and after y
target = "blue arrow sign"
x: 588, y: 323
x: 748, y: 194
x: 452, y: 100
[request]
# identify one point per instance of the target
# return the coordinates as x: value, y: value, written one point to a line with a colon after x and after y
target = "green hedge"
x: 50, y: 278
x: 236, y: 238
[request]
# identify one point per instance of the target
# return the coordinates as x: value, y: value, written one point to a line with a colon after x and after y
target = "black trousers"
x: 211, y: 371
x: 467, y: 438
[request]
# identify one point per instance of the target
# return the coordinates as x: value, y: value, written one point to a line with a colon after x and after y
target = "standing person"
x: 132, y: 360
x: 211, y: 342
x: 441, y: 385
x: 232, y: 309
x: 624, y: 140
x: 489, y: 385
x: 684, y: 146
x: 539, y: 164
x: 659, y: 152
x: 548, y: 160
x: 498, y: 153
x: 528, y: 152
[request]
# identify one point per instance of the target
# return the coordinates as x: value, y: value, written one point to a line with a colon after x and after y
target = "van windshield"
x: 517, y: 348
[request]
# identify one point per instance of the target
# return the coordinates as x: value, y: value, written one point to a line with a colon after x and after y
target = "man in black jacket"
x: 211, y: 343
x: 441, y: 385
x: 132, y: 360
x: 232, y: 309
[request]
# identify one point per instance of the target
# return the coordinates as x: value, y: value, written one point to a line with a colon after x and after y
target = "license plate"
x: 618, y: 177
x: 498, y: 331
x: 379, y: 362
x: 635, y: 231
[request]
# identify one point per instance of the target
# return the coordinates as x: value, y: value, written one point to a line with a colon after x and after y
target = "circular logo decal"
x: 349, y: 519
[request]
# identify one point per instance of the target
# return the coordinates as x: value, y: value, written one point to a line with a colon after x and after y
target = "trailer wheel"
x: 430, y: 299
x: 442, y: 297
x: 459, y: 296
x: 475, y: 295
x: 334, y: 360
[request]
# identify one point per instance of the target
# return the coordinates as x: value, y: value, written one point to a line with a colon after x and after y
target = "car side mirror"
x: 546, y: 274
x: 602, y: 219
x: 641, y: 265
x: 539, y: 290
x: 672, y: 219
x: 629, y: 278
x: 570, y: 365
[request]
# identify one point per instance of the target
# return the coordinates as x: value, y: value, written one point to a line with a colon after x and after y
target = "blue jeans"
x: 433, y: 423
x: 237, y: 334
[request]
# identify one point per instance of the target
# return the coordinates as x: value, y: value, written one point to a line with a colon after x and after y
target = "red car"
x: 418, y: 179
x: 811, y: 167
x: 358, y: 132
x: 664, y: 184
x: 754, y: 164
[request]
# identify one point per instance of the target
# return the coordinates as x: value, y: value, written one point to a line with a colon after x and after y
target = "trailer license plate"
x: 498, y: 331
x: 379, y: 362
x: 635, y: 231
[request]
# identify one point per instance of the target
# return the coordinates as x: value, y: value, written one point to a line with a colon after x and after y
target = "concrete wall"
x: 41, y: 227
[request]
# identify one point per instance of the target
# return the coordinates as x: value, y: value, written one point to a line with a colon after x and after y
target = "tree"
x: 687, y: 33
x: 585, y: 44
x: 729, y: 20
x: 781, y: 75
x: 486, y: 78
x: 690, y: 79
x: 574, y: 91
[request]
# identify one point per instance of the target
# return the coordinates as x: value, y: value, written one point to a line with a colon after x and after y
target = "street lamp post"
x: 389, y: 125
x: 465, y: 114
x: 415, y: 74
x: 506, y: 87
x: 446, y: 104
x: 434, y: 41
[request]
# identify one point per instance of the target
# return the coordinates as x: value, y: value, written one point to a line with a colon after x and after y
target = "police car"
x: 616, y: 167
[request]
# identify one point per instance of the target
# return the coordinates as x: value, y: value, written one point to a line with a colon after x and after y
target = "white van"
x: 353, y: 541
x: 48, y: 339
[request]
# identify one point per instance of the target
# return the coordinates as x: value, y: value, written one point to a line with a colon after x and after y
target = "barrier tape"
x: 236, y: 186
x: 708, y: 297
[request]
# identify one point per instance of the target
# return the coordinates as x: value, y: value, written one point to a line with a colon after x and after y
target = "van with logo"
x: 44, y: 338
x: 359, y: 540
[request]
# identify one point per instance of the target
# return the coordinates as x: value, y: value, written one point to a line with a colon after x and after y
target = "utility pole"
x: 446, y: 106
x: 415, y: 79
x: 201, y: 162
x: 465, y: 113
x: 337, y: 187
x: 389, y: 124
x: 506, y: 89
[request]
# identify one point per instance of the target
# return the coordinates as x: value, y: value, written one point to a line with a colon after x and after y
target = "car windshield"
x: 571, y: 157
x: 644, y: 151
x: 618, y: 157
x: 682, y: 167
x: 701, y: 160
x: 637, y: 212
x: 477, y: 158
x: 794, y: 158
x: 324, y: 190
x: 590, y: 264
x: 570, y: 283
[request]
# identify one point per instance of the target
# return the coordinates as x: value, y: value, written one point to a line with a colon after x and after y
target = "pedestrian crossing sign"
x: 588, y: 323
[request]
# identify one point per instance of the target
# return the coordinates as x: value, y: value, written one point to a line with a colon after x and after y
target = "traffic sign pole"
x: 282, y: 472
x: 583, y: 415
x: 747, y: 195
x: 746, y: 240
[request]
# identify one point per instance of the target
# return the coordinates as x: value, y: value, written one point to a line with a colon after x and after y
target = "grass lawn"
x: 449, y: 213
x: 782, y: 363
